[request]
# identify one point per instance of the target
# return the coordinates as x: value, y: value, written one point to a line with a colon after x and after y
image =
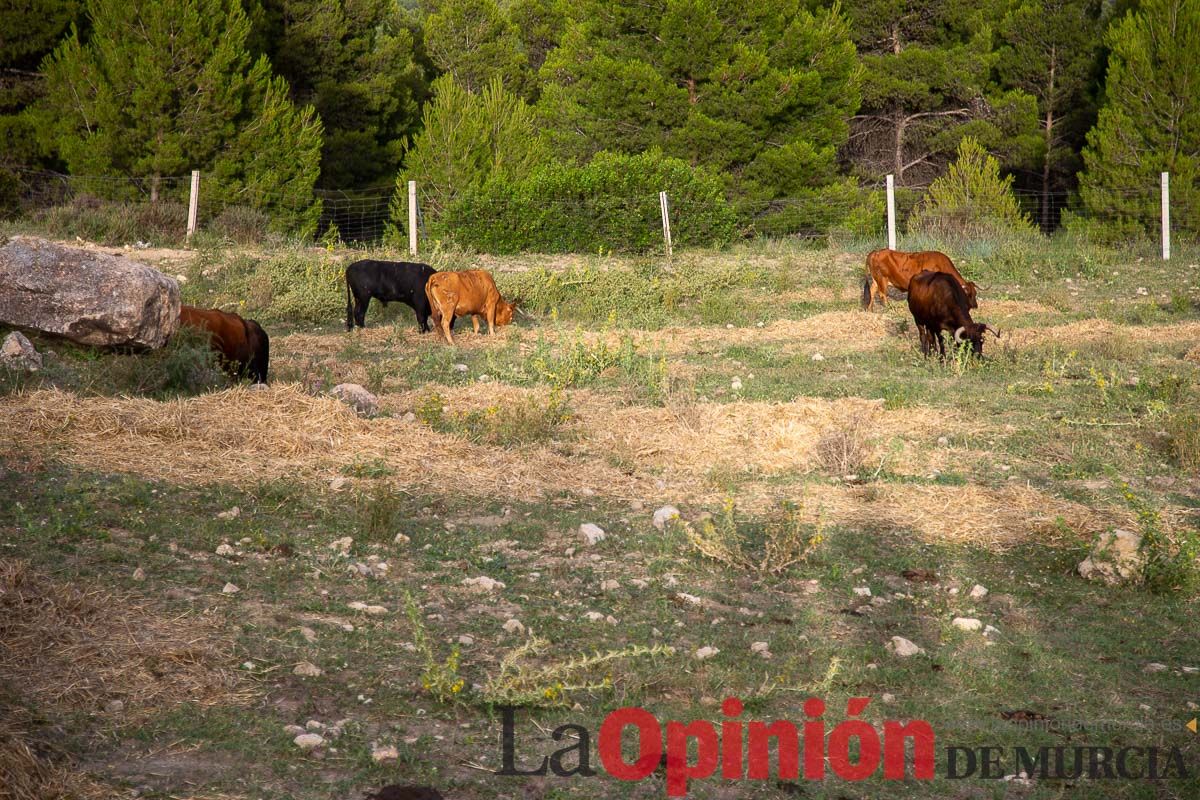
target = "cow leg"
x: 491, y: 319
x: 941, y: 343
x: 881, y: 287
x: 360, y: 310
x: 925, y: 343
x: 475, y: 322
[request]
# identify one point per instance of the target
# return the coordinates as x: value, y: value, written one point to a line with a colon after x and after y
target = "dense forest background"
x: 550, y: 124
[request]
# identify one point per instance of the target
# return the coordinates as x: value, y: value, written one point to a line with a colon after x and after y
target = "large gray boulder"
x: 87, y: 296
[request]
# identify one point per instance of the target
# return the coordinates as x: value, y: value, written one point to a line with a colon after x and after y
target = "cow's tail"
x: 261, y: 360
x: 349, y: 306
x: 866, y: 292
x: 435, y: 313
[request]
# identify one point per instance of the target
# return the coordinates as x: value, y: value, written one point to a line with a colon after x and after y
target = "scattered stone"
x: 314, y: 726
x: 903, y: 647
x: 294, y: 730
x: 818, y: 357
x: 759, y: 647
x: 357, y: 397
x: 309, y: 634
x: 466, y: 639
x: 18, y: 352
x: 232, y: 513
x: 862, y: 591
x: 402, y: 539
x: 1154, y: 666
x: 1116, y: 557
x: 483, y: 584
x: 638, y: 583
x: 977, y: 592
x: 967, y: 623
x: 358, y: 605
x: 989, y: 630
x: 664, y: 515
x: 230, y: 589
x: 888, y: 697
x: 342, y: 545
x: 514, y: 626
x: 610, y: 585
x: 736, y: 384
x: 1190, y: 670
x: 139, y: 574
x: 690, y: 598
x: 460, y: 367
x: 591, y: 533
x: 705, y: 653
x: 225, y: 550
x: 87, y: 296
x: 593, y: 616
x: 811, y: 587
x: 114, y: 706
x: 337, y: 482
x: 382, y: 754
x: 307, y: 669
x: 307, y: 741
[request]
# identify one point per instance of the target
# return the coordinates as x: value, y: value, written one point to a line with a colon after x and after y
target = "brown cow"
x: 938, y: 303
x: 242, y: 343
x: 898, y: 268
x: 472, y: 291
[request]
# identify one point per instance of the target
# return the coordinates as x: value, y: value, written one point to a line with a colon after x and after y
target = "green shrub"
x: 114, y: 223
x: 298, y: 286
x: 241, y: 224
x: 610, y: 204
x: 971, y: 200
x: 186, y: 365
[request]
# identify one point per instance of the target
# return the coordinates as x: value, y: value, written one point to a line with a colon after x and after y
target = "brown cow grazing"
x: 898, y: 268
x: 938, y: 303
x: 472, y: 291
x: 242, y: 343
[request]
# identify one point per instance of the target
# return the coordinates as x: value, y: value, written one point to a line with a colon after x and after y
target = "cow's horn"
x: 993, y: 331
x: 958, y: 334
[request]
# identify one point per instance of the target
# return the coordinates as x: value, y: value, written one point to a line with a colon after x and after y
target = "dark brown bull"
x: 898, y: 268
x: 242, y: 343
x: 938, y: 303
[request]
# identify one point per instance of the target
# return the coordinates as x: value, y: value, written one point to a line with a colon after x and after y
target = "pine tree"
x: 757, y: 91
x: 172, y: 92
x: 971, y: 199
x: 356, y: 62
x: 1150, y: 121
x: 475, y: 41
x: 466, y: 138
x: 1052, y: 49
x: 928, y: 83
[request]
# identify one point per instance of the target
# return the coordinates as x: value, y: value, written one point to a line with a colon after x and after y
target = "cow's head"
x: 971, y: 291
x: 973, y: 332
x: 504, y: 311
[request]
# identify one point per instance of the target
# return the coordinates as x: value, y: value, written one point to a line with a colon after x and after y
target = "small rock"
x: 967, y: 623
x: 818, y: 357
x: 903, y: 647
x: 314, y: 726
x: 225, y: 550
x: 232, y: 513
x: 306, y: 669
x: 230, y: 589
x: 337, y: 482
x: 401, y: 539
x: 977, y: 592
x: 759, y: 647
x: 888, y: 697
x: 1116, y: 557
x: 610, y: 585
x: 483, y: 584
x: 593, y: 616
x: 114, y: 707
x: 294, y: 730
x: 18, y: 352
x: 466, y: 639
x: 358, y: 605
x: 705, y: 653
x: 382, y: 754
x: 309, y: 634
x: 1154, y: 666
x: 736, y: 384
x: 639, y: 583
x: 307, y: 741
x: 989, y: 630
x: 591, y: 533
x: 862, y: 591
x: 514, y: 626
x: 139, y: 574
x: 342, y: 545
x: 460, y: 368
x: 943, y: 441
x: 358, y: 398
x: 664, y: 515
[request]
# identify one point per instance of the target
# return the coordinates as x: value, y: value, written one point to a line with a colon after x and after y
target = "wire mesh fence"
x: 119, y: 210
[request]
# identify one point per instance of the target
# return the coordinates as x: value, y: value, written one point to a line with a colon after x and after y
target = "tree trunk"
x: 1049, y: 126
x: 154, y: 180
x: 898, y: 168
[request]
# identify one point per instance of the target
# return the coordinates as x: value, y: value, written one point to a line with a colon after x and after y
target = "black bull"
x: 386, y: 281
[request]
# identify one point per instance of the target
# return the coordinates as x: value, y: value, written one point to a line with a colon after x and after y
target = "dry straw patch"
x: 72, y: 648
x: 1009, y: 308
x: 832, y: 332
x: 1101, y: 329
x: 280, y: 433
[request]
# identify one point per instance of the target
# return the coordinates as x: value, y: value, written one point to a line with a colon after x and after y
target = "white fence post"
x: 1166, y: 216
x: 193, y: 203
x: 412, y: 218
x: 891, y: 211
x: 666, y: 220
